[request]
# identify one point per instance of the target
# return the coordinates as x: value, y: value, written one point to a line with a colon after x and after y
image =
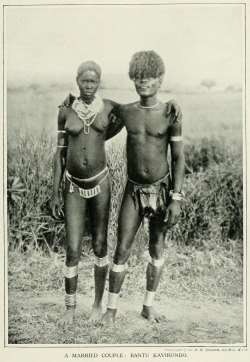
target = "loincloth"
x: 152, y: 199
x: 88, y: 187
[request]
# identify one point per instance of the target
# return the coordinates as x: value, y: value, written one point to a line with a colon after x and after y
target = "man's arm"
x: 68, y: 101
x: 59, y: 164
x: 177, y: 156
x: 177, y: 171
x: 116, y: 122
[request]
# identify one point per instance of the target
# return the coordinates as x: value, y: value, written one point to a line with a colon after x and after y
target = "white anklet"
x: 113, y: 300
x: 148, y: 299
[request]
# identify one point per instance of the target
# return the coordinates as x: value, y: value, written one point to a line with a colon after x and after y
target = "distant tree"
x: 209, y: 83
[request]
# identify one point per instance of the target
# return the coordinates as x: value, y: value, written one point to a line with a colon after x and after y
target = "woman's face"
x: 88, y: 83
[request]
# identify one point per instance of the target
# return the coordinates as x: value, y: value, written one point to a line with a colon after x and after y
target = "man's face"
x: 88, y: 83
x: 147, y: 87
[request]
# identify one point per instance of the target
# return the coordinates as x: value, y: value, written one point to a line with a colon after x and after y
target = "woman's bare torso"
x: 86, y: 152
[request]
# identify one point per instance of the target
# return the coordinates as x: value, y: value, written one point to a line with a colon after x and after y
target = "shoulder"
x: 110, y: 105
x: 129, y: 106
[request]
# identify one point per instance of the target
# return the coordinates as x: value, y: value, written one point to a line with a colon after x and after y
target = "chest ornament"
x: 88, y: 112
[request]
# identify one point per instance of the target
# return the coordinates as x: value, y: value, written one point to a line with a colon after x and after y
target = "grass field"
x: 202, y: 286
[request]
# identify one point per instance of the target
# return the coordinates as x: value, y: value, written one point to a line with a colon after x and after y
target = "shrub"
x: 213, y: 209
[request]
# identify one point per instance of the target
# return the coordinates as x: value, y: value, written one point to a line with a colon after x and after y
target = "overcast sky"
x: 195, y: 41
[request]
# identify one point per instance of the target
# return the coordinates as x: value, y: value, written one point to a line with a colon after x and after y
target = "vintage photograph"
x: 124, y: 128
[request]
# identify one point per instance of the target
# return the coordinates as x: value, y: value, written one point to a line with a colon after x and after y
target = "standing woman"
x: 81, y: 154
x: 83, y: 128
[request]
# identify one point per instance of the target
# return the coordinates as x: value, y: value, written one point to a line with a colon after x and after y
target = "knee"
x: 72, y: 256
x: 122, y: 254
x: 156, y: 251
x: 99, y: 245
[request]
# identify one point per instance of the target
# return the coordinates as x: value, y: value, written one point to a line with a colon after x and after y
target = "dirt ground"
x: 204, y: 307
x: 35, y: 320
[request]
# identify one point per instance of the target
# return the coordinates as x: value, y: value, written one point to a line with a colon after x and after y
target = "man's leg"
x: 128, y: 225
x: 157, y: 233
x: 75, y: 214
x: 99, y: 216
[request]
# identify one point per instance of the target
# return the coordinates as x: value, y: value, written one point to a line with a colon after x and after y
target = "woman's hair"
x: 89, y: 65
x: 146, y: 64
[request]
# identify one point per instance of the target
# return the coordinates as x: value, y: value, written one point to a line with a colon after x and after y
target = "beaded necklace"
x: 155, y: 105
x: 88, y: 112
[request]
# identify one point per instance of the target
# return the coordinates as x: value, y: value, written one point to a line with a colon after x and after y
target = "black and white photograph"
x: 124, y: 180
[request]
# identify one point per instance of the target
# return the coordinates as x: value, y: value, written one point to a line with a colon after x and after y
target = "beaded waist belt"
x: 87, y: 193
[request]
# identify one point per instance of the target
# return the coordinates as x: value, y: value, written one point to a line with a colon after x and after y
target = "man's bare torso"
x: 147, y: 141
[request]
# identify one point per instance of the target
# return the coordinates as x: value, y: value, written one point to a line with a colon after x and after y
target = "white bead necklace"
x: 155, y: 105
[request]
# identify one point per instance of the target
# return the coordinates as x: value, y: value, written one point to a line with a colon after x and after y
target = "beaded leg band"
x: 113, y: 300
x: 114, y: 297
x: 70, y: 300
x: 149, y: 296
x: 70, y: 271
x: 101, y: 262
x: 156, y: 262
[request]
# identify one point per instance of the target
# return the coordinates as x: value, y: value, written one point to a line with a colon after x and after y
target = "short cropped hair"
x: 146, y: 64
x: 89, y: 65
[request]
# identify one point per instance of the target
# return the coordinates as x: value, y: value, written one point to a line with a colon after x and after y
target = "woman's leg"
x: 99, y: 217
x: 75, y: 215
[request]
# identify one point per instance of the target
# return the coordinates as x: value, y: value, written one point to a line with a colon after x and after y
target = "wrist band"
x: 176, y: 195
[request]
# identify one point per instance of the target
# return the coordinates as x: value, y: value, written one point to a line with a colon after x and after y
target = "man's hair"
x: 89, y: 65
x: 146, y: 64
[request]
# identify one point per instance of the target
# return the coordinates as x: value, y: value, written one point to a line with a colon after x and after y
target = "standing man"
x: 149, y: 192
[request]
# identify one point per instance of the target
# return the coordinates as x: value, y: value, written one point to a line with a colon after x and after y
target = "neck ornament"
x: 88, y: 112
x: 155, y: 105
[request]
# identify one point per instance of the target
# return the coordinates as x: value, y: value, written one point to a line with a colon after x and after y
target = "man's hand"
x: 56, y: 209
x: 68, y: 101
x: 177, y: 109
x: 172, y: 213
x: 112, y: 117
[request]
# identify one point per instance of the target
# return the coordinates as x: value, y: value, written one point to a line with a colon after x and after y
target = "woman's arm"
x: 59, y: 164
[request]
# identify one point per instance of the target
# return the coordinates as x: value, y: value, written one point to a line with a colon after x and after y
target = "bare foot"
x: 68, y: 317
x: 96, y: 314
x: 109, y: 317
x: 151, y: 315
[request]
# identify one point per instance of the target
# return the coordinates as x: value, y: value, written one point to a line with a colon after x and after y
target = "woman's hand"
x: 56, y: 209
x: 173, y: 213
x: 177, y: 109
